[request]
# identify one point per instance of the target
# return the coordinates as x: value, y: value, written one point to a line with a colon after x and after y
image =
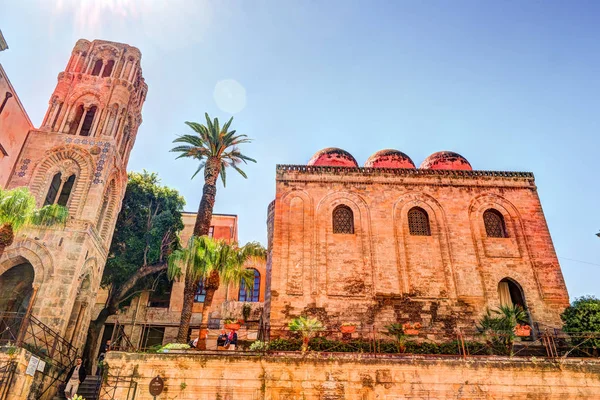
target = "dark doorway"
x: 16, y: 288
x: 511, y: 293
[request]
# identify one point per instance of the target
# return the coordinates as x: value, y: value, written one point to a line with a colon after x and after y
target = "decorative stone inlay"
x: 95, y: 150
x: 24, y: 167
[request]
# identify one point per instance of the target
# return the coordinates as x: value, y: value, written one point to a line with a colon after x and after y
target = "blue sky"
x: 511, y: 85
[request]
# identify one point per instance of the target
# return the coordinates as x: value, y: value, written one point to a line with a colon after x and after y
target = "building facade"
x: 152, y: 319
x: 389, y: 243
x: 77, y: 158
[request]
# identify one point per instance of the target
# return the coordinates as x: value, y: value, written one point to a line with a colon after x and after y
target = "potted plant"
x: 523, y: 330
x: 397, y: 332
x: 347, y: 327
x: 308, y: 327
x: 411, y: 329
x: 232, y: 324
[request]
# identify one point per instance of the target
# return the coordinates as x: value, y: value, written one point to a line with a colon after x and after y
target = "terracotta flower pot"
x: 348, y: 328
x: 523, y: 330
x: 233, y: 326
x: 411, y: 332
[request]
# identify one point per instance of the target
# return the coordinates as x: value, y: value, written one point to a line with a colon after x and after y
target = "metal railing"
x: 28, y: 332
x: 7, y: 371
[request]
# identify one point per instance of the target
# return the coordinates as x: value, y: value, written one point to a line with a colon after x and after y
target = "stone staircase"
x: 87, y: 389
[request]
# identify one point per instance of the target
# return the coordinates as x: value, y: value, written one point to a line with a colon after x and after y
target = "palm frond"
x: 50, y: 215
x: 17, y: 206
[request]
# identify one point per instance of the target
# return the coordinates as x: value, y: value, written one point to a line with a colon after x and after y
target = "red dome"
x: 333, y: 157
x: 446, y: 160
x: 389, y: 158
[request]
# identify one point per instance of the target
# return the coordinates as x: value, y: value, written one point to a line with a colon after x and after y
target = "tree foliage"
x: 582, y: 321
x: 215, y: 148
x: 146, y: 229
x: 145, y: 234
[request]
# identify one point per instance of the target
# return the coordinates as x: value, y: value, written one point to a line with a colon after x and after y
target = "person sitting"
x: 232, y: 340
x: 222, y: 340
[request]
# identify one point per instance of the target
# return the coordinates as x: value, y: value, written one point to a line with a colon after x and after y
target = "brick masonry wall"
x: 312, y: 377
x: 382, y: 273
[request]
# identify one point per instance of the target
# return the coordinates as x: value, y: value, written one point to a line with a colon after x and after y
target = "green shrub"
x: 583, y: 316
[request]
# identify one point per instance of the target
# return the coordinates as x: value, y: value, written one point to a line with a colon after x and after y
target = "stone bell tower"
x: 78, y: 159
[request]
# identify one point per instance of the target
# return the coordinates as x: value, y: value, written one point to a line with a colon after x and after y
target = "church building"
x: 389, y: 242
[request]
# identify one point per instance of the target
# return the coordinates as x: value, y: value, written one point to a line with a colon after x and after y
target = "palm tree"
x: 214, y: 262
x: 499, y: 326
x: 215, y: 149
x: 308, y: 328
x: 17, y: 210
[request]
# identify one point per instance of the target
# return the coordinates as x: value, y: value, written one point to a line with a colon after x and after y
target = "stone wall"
x: 382, y: 273
x: 228, y: 377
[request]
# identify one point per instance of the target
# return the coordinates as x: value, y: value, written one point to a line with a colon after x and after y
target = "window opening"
x: 200, y: 293
x: 418, y: 222
x: 211, y: 231
x: 75, y: 123
x: 63, y: 199
x: 108, y: 69
x: 56, y: 116
x: 250, y: 295
x: 53, y: 190
x: 152, y: 336
x: 494, y: 224
x: 87, y: 121
x: 97, y: 68
x: 343, y: 220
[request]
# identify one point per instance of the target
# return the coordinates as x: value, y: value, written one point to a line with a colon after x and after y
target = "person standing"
x: 75, y: 376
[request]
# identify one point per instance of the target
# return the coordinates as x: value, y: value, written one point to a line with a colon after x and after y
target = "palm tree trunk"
x: 201, y: 228
x: 189, y: 292
x: 7, y: 236
x: 209, y: 192
x: 210, y: 293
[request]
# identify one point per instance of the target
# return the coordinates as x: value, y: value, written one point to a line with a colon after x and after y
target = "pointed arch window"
x: 108, y: 68
x: 65, y: 193
x: 494, y: 224
x: 418, y: 222
x: 59, y: 190
x: 253, y: 295
x: 53, y: 126
x: 53, y: 189
x: 343, y: 220
x: 75, y: 123
x: 97, y: 68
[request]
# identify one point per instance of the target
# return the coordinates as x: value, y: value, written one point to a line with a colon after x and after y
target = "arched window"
x: 418, y: 222
x: 250, y: 295
x: 56, y: 116
x: 494, y: 224
x: 63, y: 199
x: 124, y: 141
x: 59, y: 191
x: 87, y: 121
x: 75, y: 123
x: 53, y: 189
x: 108, y: 69
x: 97, y: 68
x: 103, y: 211
x: 200, y: 293
x: 343, y: 220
